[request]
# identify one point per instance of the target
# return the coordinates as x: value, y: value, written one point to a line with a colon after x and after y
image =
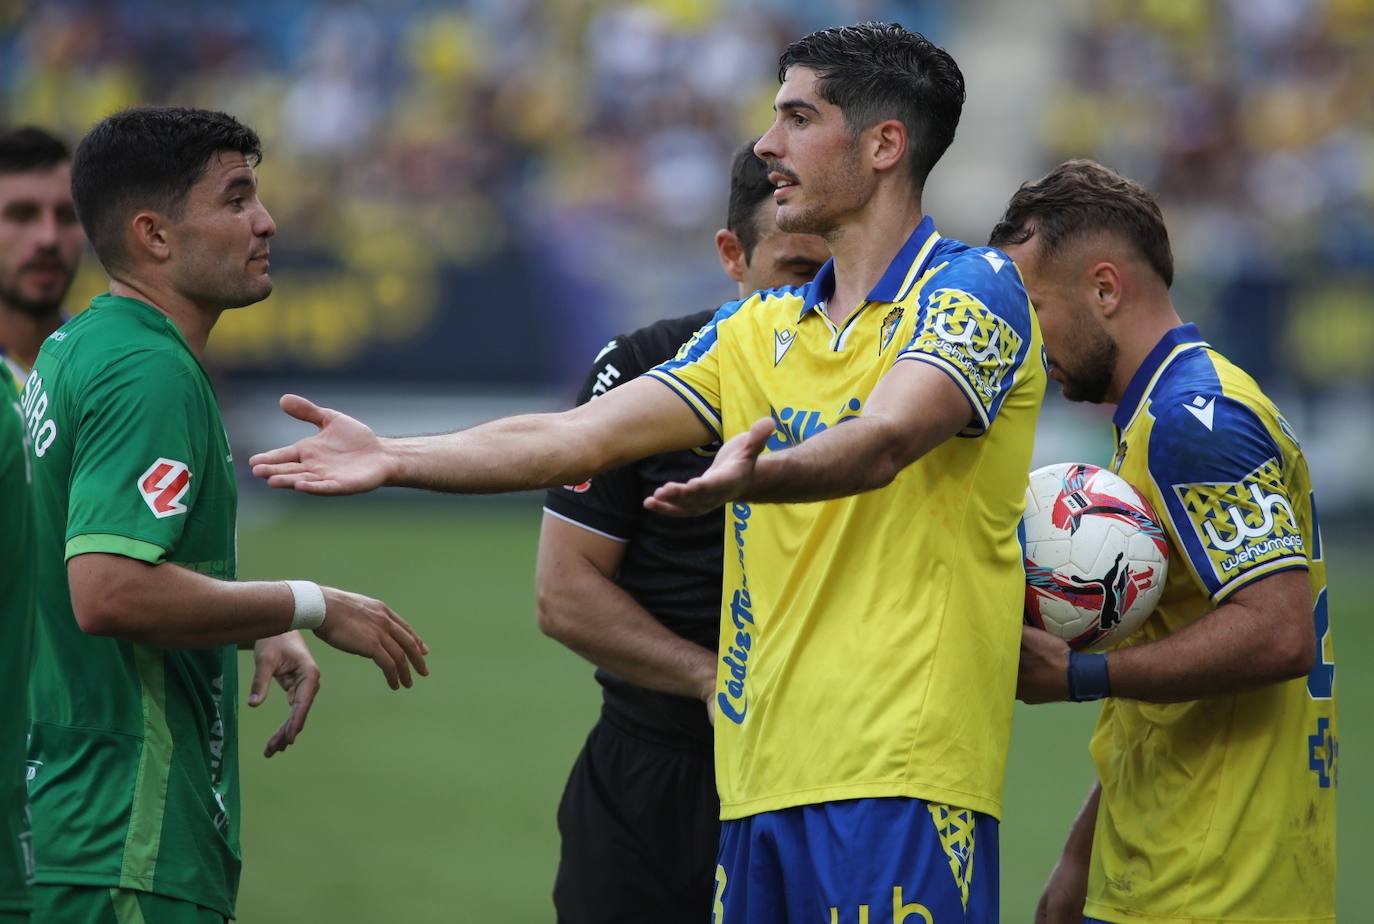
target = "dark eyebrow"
x: 241, y: 181
x: 792, y: 105
x: 797, y: 262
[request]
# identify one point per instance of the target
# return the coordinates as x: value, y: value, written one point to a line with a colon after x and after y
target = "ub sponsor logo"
x: 792, y: 426
x: 958, y: 327
x: 1244, y: 524
x: 733, y: 702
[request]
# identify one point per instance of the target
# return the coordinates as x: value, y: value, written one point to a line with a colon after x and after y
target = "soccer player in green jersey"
x: 40, y: 242
x: 16, y: 636
x: 133, y: 747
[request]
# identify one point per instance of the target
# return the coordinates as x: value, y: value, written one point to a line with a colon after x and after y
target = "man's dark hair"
x: 1081, y: 197
x: 31, y: 148
x: 749, y: 188
x: 875, y: 71
x: 148, y: 157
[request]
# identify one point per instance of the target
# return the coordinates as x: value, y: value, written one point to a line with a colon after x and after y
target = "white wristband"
x: 309, y: 604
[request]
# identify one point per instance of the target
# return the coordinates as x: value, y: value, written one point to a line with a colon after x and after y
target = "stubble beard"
x: 38, y: 308
x: 1092, y: 378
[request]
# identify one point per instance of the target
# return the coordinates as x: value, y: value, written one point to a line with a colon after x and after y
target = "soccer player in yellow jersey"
x: 1216, y: 747
x: 879, y: 423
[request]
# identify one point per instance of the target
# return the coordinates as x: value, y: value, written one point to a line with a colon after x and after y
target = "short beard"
x: 818, y: 218
x: 35, y: 308
x: 1095, y: 359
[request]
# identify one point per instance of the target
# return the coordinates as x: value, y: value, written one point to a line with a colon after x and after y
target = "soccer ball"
x: 1096, y: 557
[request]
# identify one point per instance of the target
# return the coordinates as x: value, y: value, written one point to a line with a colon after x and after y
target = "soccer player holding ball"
x: 1216, y: 746
x: 133, y: 747
x: 872, y: 569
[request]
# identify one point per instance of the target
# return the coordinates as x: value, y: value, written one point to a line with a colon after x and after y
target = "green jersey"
x: 133, y: 751
x: 16, y: 630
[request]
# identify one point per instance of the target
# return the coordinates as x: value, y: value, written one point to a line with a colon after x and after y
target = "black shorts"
x: 640, y: 831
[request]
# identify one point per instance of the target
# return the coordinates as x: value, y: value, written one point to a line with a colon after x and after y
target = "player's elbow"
x: 101, y: 614
x: 553, y: 609
x: 103, y: 595
x: 1294, y: 653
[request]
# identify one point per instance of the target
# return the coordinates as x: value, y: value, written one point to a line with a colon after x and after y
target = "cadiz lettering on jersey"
x: 733, y: 703
x: 34, y: 402
x: 791, y: 426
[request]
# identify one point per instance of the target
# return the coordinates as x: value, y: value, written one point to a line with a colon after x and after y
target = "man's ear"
x: 148, y: 236
x: 1106, y: 280
x: 887, y: 144
x: 731, y: 253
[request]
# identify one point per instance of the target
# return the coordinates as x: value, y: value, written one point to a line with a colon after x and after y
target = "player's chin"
x: 252, y: 292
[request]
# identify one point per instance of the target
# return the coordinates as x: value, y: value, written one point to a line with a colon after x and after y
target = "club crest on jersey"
x: 782, y: 342
x: 163, y: 486
x: 889, y: 329
x: 1244, y: 524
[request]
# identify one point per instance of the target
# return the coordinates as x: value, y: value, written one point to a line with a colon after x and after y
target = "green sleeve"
x: 135, y: 463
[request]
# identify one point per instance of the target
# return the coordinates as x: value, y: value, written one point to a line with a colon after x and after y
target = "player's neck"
x: 22, y: 334
x: 866, y: 245
x: 193, y: 320
x: 1135, y: 343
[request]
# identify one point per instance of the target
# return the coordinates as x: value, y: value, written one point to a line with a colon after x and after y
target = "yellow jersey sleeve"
x: 694, y: 373
x: 974, y: 324
x: 1220, y: 473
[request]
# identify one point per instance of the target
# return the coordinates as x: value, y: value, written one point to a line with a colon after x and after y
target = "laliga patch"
x: 1243, y: 525
x: 163, y: 486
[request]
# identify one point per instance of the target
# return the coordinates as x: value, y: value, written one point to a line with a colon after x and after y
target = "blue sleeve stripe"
x: 1180, y: 526
x: 703, y: 409
x: 1013, y: 375
x: 1289, y: 563
x: 949, y: 369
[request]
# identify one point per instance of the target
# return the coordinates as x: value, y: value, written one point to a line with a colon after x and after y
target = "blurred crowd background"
x: 476, y: 195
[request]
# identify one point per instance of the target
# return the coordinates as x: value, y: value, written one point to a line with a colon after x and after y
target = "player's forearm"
x: 858, y: 455
x: 513, y: 454
x: 1232, y: 649
x: 172, y: 607
x: 597, y: 619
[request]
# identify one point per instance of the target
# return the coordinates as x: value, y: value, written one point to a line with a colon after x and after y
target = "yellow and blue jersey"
x: 869, y: 643
x: 1221, y: 809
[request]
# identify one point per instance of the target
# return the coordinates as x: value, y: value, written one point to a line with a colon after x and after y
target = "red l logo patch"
x: 163, y: 486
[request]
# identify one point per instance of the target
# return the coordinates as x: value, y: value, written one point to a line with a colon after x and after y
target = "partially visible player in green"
x: 1216, y: 747
x: 40, y: 242
x: 133, y: 749
x: 16, y: 640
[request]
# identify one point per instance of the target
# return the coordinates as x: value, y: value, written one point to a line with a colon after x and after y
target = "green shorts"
x: 68, y: 904
x: 14, y: 917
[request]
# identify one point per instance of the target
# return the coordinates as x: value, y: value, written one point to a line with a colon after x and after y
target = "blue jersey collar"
x: 1170, y: 346
x: 889, y: 288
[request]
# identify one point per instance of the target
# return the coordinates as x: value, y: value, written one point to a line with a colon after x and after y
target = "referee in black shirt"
x: 638, y: 595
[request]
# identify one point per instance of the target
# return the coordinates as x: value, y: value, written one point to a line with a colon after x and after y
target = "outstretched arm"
x: 915, y: 408
x: 638, y: 419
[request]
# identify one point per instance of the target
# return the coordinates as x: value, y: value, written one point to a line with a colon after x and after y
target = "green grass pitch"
x: 437, y: 804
